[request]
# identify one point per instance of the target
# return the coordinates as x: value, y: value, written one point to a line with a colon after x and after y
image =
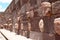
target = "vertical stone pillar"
x: 48, y: 28
x: 19, y: 27
x: 14, y: 20
x: 35, y: 33
x: 35, y: 24
x: 26, y: 29
x: 21, y: 30
x: 24, y: 26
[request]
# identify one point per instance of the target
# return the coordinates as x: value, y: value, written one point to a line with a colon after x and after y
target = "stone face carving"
x: 44, y: 8
x: 57, y: 25
x: 56, y: 7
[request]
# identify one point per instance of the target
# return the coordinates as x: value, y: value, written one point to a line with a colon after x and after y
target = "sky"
x: 4, y: 4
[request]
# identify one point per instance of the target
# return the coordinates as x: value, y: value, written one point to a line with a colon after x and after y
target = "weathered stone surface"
x: 56, y: 7
x: 46, y: 36
x: 35, y: 24
x: 36, y: 35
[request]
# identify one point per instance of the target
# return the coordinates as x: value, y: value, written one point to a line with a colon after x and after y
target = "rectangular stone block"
x: 47, y: 36
x: 36, y: 35
x: 41, y: 36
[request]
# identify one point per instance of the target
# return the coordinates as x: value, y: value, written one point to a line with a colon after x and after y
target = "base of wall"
x: 36, y: 35
x: 41, y: 36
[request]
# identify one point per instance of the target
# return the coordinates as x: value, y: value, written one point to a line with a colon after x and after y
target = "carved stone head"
x: 56, y: 7
x: 44, y: 8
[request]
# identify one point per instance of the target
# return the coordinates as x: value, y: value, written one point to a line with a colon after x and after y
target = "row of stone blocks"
x: 38, y: 35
